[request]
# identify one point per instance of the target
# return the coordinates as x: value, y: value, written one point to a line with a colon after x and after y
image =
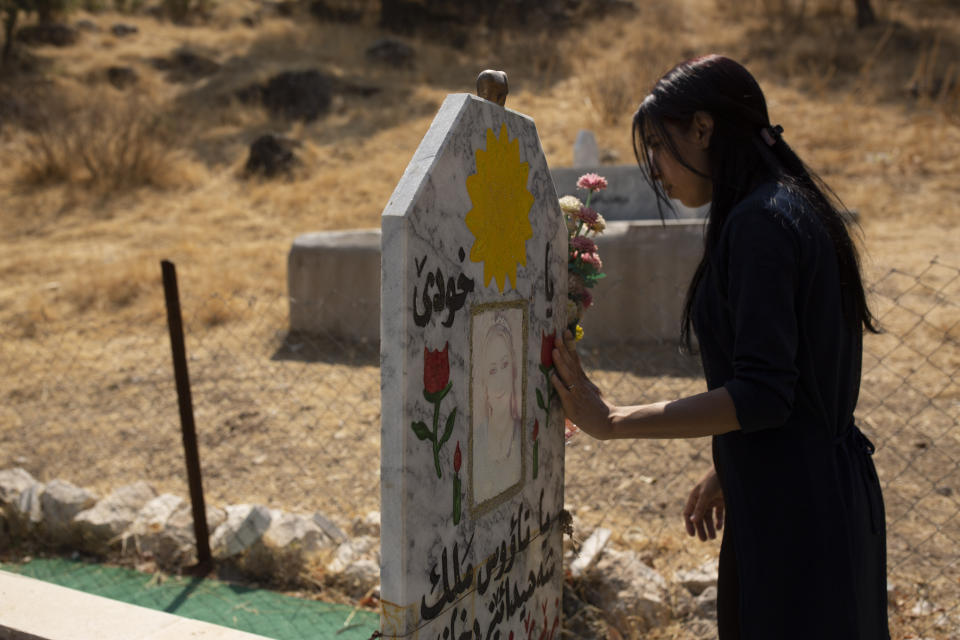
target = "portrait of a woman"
x: 497, y: 403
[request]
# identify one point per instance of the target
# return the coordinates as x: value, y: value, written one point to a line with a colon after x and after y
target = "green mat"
x: 253, y: 610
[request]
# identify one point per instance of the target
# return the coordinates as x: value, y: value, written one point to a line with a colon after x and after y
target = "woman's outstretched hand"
x: 703, y: 515
x: 581, y: 399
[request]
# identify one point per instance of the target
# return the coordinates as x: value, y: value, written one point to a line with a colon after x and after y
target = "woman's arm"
x: 705, y: 414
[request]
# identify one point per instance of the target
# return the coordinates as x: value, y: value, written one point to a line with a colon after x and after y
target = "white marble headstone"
x: 474, y: 283
x: 586, y: 153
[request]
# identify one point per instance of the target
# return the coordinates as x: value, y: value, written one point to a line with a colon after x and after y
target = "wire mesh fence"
x: 291, y: 421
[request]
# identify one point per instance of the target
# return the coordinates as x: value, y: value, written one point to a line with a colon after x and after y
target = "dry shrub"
x: 35, y: 312
x: 783, y: 11
x: 935, y: 83
x: 114, y: 287
x: 541, y: 53
x: 183, y: 10
x: 612, y: 95
x: 104, y: 143
x: 218, y: 310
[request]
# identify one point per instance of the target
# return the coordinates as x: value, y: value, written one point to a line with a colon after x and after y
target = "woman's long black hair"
x: 741, y: 160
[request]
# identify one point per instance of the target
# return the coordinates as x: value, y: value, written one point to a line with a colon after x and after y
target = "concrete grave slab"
x: 35, y: 610
x: 473, y: 292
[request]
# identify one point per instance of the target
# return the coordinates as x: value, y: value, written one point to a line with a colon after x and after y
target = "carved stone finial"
x: 492, y: 86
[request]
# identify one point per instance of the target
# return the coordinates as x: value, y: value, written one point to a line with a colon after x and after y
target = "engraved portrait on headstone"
x: 498, y: 336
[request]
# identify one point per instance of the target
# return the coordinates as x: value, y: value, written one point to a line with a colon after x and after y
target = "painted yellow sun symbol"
x: 500, y: 218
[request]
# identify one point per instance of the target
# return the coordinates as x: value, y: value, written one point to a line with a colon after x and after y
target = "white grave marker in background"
x: 473, y: 291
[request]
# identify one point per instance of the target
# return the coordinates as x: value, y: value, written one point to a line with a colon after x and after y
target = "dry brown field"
x: 84, y: 362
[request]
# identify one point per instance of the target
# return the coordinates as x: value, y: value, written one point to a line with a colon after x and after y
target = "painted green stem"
x: 536, y: 458
x: 436, y: 441
x: 456, y: 498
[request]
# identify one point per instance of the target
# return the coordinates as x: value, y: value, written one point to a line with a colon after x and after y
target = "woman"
x: 497, y: 438
x: 778, y: 308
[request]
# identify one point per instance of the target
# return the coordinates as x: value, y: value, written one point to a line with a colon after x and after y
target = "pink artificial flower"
x: 592, y: 258
x: 584, y: 244
x: 592, y: 182
x: 588, y: 216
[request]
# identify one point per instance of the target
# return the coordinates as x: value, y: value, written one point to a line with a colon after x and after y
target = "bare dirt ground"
x: 293, y: 422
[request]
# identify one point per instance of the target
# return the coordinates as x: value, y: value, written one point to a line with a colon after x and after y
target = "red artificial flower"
x: 588, y: 216
x: 436, y: 369
x: 586, y: 299
x: 546, y: 348
x: 536, y: 429
x: 584, y: 244
x: 457, y: 459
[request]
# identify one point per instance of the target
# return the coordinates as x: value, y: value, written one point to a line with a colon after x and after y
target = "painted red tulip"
x: 546, y: 348
x: 457, y: 459
x: 436, y: 369
x: 536, y: 429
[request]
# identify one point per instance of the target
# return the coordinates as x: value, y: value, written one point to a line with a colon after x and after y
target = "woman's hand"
x: 705, y: 498
x: 582, y: 401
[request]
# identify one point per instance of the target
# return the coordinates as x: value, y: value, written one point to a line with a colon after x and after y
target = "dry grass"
x: 82, y: 231
x: 106, y: 144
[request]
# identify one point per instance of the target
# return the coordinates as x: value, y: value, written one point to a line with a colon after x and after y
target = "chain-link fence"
x: 292, y: 422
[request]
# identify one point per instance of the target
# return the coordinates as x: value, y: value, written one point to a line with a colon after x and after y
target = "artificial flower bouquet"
x: 584, y: 267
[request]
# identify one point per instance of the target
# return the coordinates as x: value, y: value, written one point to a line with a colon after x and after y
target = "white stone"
x: 368, y: 525
x: 361, y: 578
x: 590, y: 551
x: 707, y: 603
x: 154, y: 515
x: 182, y: 518
x: 700, y: 629
x: 105, y: 522
x: 175, y: 544
x: 628, y: 590
x: 473, y: 274
x: 684, y: 604
x: 355, y: 566
x: 61, y: 502
x: 152, y: 536
x: 294, y: 530
x: 244, y: 526
x: 351, y: 551
x: 586, y: 153
x: 696, y: 580
x: 29, y: 508
x: 13, y: 482
x: 329, y: 527
x: 922, y: 608
x: 20, y: 500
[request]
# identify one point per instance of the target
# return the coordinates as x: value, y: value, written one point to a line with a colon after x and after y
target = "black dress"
x: 804, y: 551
